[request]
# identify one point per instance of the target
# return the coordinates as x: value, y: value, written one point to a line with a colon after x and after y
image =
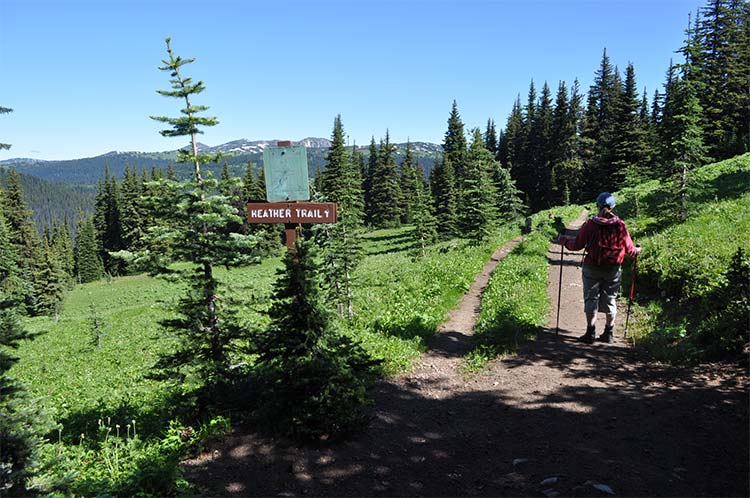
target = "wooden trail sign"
x: 291, y: 212
x: 285, y: 168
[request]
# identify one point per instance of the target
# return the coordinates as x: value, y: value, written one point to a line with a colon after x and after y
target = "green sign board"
x: 286, y: 173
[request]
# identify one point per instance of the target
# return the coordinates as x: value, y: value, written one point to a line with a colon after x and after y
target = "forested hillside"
x: 52, y: 202
x: 88, y: 171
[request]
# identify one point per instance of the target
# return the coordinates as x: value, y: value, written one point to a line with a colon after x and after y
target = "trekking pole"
x: 559, y: 290
x: 632, y: 291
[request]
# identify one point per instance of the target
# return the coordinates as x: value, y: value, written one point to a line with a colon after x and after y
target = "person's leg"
x: 590, y: 302
x: 610, y: 288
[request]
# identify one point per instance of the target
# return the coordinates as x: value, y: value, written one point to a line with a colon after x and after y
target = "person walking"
x: 606, y: 240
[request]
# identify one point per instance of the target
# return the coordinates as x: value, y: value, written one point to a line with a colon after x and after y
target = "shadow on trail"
x: 642, y: 430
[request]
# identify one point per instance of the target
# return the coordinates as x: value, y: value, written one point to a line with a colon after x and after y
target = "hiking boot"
x: 607, y: 336
x: 588, y: 337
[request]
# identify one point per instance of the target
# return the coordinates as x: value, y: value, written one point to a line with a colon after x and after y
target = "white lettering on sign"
x: 309, y: 213
x: 271, y: 213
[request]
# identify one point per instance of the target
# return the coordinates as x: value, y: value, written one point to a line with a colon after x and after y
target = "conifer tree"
x: 367, y: 180
x: 444, y: 190
x: 718, y: 51
x: 89, y: 266
x: 629, y: 145
x: 313, y: 380
x: 685, y: 150
x: 477, y: 202
x: 198, y: 225
x: 19, y: 438
x: 562, y: 136
x: 23, y: 236
x: 490, y: 138
x: 132, y: 216
x: 11, y: 285
x: 50, y: 282
x: 385, y: 190
x: 342, y: 250
x: 408, y: 185
x: 63, y: 247
x: 107, y: 222
x: 425, y: 223
x: 454, y: 144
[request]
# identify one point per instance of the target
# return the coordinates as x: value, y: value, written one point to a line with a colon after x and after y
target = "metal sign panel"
x: 286, y: 174
x: 291, y: 212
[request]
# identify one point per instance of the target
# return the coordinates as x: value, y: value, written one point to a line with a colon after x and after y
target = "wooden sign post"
x: 285, y: 169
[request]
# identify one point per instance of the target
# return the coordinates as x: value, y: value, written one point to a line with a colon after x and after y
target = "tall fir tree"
x: 132, y: 216
x: 718, y: 51
x: 408, y: 186
x: 23, y: 235
x: 490, y: 137
x: 89, y: 266
x: 198, y: 226
x: 385, y: 191
x: 63, y: 247
x: 478, y: 197
x: 342, y: 249
x: 685, y: 150
x: 50, y: 282
x: 367, y: 179
x: 445, y: 195
x: 630, y: 160
x: 107, y: 222
x: 454, y: 144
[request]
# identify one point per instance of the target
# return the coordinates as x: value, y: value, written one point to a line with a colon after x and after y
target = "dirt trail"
x: 561, y: 418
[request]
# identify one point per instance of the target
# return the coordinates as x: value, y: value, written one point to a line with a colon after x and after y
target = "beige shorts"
x: 601, y: 286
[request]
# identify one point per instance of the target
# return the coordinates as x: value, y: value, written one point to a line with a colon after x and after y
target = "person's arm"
x: 630, y: 249
x: 581, y: 239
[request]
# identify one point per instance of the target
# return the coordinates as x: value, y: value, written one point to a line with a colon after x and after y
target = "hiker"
x: 607, y: 240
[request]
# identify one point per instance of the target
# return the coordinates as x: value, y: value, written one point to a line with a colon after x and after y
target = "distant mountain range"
x: 89, y: 170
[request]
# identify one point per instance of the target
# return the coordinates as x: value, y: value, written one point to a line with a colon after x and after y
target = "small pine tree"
x: 313, y: 380
x: 19, y: 441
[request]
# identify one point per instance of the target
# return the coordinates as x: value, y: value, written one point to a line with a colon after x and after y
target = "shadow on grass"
x: 642, y: 429
x: 416, y: 327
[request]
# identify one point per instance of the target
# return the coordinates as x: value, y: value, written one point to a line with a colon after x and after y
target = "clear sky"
x: 82, y: 76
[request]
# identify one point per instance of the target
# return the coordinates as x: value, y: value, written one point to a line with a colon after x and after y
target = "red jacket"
x: 606, y: 240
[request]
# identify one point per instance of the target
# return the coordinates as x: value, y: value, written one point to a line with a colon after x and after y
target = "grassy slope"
x: 400, y: 300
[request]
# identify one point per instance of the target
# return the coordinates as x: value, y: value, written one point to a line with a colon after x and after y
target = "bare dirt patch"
x: 559, y: 418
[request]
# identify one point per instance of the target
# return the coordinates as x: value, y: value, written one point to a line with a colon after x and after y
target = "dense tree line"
x: 562, y: 149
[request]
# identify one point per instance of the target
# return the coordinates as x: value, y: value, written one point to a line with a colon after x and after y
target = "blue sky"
x: 82, y: 76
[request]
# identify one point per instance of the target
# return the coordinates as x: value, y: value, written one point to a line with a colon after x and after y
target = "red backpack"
x: 606, y: 245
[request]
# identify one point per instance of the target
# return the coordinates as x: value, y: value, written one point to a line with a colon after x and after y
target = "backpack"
x: 605, y: 246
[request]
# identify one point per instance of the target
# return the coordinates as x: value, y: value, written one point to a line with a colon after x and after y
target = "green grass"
x: 89, y: 367
x: 683, y: 265
x: 400, y: 299
x: 515, y: 303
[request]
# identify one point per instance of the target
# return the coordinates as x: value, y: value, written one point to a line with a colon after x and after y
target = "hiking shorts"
x: 601, y: 286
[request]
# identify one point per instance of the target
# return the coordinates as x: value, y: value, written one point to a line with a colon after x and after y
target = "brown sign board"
x: 291, y: 212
